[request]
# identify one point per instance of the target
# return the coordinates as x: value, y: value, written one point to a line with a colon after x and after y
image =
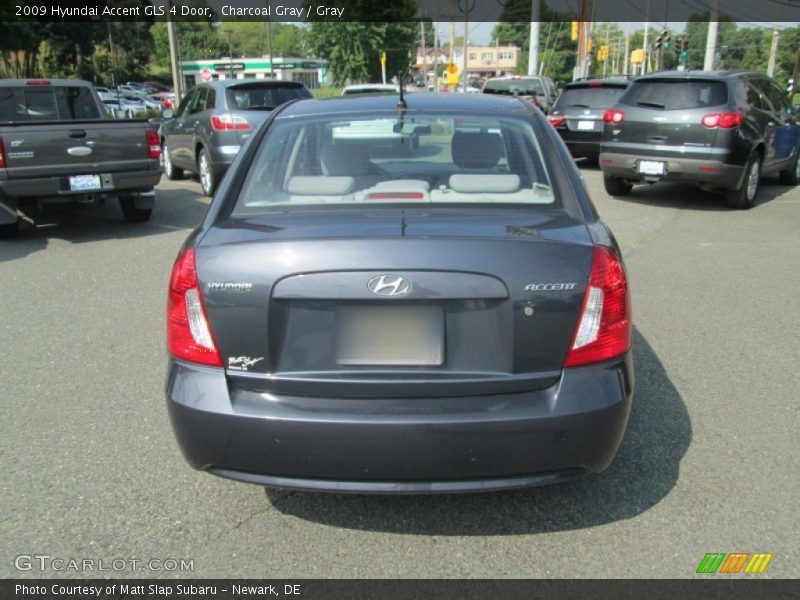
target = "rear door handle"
x: 77, y: 133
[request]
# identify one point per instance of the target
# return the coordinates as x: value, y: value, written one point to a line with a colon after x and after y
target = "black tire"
x: 170, y: 170
x: 791, y: 176
x: 744, y: 197
x: 617, y: 186
x: 131, y: 212
x: 9, y: 230
x: 205, y: 172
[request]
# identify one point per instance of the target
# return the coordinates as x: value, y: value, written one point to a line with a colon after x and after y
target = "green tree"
x: 354, y: 47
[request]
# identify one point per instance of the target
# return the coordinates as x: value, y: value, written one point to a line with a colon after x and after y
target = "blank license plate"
x: 585, y: 125
x: 81, y: 183
x: 651, y: 167
x: 392, y: 335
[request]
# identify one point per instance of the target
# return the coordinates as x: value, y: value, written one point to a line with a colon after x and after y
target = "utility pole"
x: 533, y: 55
x: 269, y: 48
x: 605, y: 62
x: 424, y: 53
x: 644, y: 42
x: 174, y: 51
x: 773, y: 51
x: 464, y: 73
x: 435, y: 58
x: 711, y: 38
x: 627, y: 53
x: 230, y: 53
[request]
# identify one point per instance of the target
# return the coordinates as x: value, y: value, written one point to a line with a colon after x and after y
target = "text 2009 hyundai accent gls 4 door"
x: 359, y: 315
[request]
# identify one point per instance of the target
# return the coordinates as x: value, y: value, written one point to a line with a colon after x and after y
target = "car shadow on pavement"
x: 643, y: 473
x: 690, y: 197
x: 175, y: 210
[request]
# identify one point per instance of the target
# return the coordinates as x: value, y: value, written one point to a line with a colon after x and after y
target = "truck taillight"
x: 604, y: 326
x: 189, y: 335
x: 153, y: 145
x: 2, y: 155
x: 229, y: 123
x: 723, y: 120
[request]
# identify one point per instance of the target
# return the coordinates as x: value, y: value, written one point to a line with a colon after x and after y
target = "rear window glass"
x: 424, y: 159
x: 257, y: 95
x: 589, y: 97
x: 676, y: 94
x: 47, y: 103
x: 514, y: 87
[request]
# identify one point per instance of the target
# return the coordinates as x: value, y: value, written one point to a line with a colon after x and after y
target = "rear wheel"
x: 617, y: 186
x: 791, y: 176
x: 131, y: 212
x: 9, y: 230
x: 208, y: 180
x: 745, y: 196
x: 170, y: 170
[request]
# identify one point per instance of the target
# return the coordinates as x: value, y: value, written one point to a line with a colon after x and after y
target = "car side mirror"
x: 167, y: 114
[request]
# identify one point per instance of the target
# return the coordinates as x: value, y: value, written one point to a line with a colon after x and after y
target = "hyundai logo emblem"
x: 388, y: 285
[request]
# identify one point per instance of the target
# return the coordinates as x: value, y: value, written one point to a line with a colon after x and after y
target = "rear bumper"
x: 711, y: 173
x: 405, y: 445
x: 112, y: 184
x: 582, y: 143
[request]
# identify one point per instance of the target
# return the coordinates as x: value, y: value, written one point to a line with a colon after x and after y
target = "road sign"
x: 452, y: 69
x: 637, y: 56
x: 383, y: 58
x: 205, y: 74
x: 452, y: 79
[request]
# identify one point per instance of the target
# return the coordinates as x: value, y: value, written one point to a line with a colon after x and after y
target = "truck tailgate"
x: 75, y: 148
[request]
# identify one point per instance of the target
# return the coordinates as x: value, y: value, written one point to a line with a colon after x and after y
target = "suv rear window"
x: 676, y: 94
x: 251, y: 96
x: 602, y: 96
x: 47, y: 103
x: 514, y: 87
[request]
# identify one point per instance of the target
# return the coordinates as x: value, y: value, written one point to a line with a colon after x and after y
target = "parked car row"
x: 719, y: 130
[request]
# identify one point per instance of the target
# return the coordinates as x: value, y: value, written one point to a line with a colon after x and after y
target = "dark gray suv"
x: 720, y: 130
x: 213, y: 121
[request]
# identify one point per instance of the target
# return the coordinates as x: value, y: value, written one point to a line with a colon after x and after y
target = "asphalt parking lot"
x: 91, y: 469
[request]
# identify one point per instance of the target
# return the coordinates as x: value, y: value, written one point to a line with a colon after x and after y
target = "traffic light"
x: 575, y: 31
x: 602, y: 53
x: 663, y: 40
x: 681, y: 45
x: 591, y: 45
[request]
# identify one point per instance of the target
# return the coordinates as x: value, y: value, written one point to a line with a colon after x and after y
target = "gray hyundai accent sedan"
x: 354, y: 315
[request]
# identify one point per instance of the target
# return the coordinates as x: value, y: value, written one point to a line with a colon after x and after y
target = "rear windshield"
x: 514, y: 87
x: 676, y: 94
x: 47, y: 103
x: 424, y: 159
x: 589, y: 97
x: 252, y: 96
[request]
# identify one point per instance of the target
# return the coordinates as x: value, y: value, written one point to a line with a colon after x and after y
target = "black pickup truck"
x: 57, y: 145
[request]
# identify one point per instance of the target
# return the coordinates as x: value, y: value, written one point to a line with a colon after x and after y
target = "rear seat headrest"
x: 476, y: 150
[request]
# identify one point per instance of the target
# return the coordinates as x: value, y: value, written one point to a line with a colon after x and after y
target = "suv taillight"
x: 556, y: 120
x: 613, y: 116
x: 189, y: 335
x: 604, y: 327
x: 2, y: 155
x: 229, y: 123
x: 153, y: 145
x: 724, y: 120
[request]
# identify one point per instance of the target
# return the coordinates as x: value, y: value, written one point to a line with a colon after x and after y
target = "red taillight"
x: 189, y: 335
x: 556, y: 120
x: 229, y: 123
x: 37, y: 82
x: 396, y: 196
x: 153, y: 145
x: 613, y: 116
x: 2, y: 155
x: 723, y: 120
x: 604, y: 327
x: 535, y: 102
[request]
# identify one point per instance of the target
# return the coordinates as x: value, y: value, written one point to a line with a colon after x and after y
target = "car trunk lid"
x: 394, y: 304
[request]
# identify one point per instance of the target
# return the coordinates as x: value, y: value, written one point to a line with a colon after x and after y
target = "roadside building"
x: 312, y: 73
x: 482, y: 61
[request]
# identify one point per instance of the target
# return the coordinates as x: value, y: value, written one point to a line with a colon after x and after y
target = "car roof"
x: 600, y: 82
x: 54, y: 82
x: 479, y: 103
x: 371, y: 86
x: 226, y: 83
x: 699, y: 75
